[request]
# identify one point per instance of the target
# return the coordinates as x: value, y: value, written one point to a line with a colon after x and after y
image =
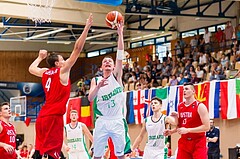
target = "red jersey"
x: 8, y: 136
x: 56, y: 94
x: 24, y: 154
x: 189, y: 118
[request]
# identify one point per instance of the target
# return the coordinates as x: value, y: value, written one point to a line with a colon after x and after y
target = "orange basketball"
x: 113, y: 18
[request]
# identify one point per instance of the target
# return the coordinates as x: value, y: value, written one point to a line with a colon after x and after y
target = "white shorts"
x: 79, y: 155
x: 105, y: 128
x: 154, y: 153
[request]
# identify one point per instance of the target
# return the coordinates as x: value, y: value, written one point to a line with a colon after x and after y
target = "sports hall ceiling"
x: 142, y: 17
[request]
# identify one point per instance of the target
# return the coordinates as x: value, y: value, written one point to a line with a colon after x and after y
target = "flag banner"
x: 147, y: 104
x: 84, y: 109
x: 230, y: 101
x: 172, y: 99
x: 202, y: 92
x: 214, y: 99
x: 130, y: 108
x: 85, y: 112
x: 138, y: 102
x: 161, y: 93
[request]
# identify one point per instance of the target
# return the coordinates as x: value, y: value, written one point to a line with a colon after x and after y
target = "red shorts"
x: 192, y: 148
x: 49, y: 135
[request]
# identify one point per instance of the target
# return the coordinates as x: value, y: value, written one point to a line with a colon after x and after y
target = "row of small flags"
x: 220, y: 97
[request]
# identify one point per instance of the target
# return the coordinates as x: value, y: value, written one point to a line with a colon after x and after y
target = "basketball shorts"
x: 154, y: 153
x: 105, y: 128
x: 49, y: 135
x: 192, y: 148
x: 79, y: 155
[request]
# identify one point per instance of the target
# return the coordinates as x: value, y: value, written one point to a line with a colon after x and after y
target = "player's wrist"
x: 120, y: 54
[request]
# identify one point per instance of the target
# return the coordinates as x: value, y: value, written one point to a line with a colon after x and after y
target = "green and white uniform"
x: 76, y: 142
x: 110, y: 122
x: 154, y: 148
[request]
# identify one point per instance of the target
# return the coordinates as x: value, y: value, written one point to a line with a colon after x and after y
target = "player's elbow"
x: 206, y: 127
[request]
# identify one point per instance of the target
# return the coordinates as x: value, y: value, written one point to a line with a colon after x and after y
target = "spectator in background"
x: 178, y: 50
x: 173, y: 81
x: 136, y: 66
x: 24, y: 153
x: 213, y: 136
x: 202, y: 59
x: 229, y: 34
x: 207, y: 41
x: 199, y: 73
x: 201, y: 43
x: 194, y: 78
x: 220, y: 36
x: 181, y: 67
x: 194, y: 43
x: 237, y: 31
x: 86, y: 82
x: 80, y: 83
x: 182, y: 79
x: 99, y: 72
x: 182, y: 45
x: 224, y: 62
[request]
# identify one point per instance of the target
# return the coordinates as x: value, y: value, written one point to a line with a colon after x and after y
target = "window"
x: 201, y: 31
x: 93, y: 54
x: 105, y: 51
x: 212, y: 29
x: 189, y: 33
x: 160, y: 40
x: 161, y: 52
x: 136, y: 44
x: 222, y: 26
x: 148, y: 42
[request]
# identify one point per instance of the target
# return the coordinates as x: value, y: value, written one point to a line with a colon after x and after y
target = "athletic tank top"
x: 110, y: 98
x: 8, y: 136
x: 75, y: 138
x: 56, y: 94
x: 189, y: 118
x: 155, y: 132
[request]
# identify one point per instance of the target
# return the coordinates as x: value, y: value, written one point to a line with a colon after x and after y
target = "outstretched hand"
x: 89, y: 21
x: 42, y: 54
x: 102, y: 83
x: 120, y: 27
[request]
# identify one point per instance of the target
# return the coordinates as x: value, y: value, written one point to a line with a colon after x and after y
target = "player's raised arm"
x: 34, y: 67
x: 78, y: 46
x: 120, y: 53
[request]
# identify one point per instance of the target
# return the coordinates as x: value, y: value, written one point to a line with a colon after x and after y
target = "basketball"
x: 113, y: 18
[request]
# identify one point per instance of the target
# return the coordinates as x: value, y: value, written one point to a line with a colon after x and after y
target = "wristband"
x: 120, y: 54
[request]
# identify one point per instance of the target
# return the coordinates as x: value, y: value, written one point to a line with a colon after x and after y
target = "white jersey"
x: 75, y: 138
x: 110, y: 98
x: 155, y: 131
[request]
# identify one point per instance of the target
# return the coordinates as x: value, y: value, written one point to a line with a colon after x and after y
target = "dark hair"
x: 51, y: 59
x: 2, y: 104
x: 158, y: 99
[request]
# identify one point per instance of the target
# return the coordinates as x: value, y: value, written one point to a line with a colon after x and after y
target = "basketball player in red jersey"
x: 7, y: 133
x: 192, y: 122
x: 56, y: 84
